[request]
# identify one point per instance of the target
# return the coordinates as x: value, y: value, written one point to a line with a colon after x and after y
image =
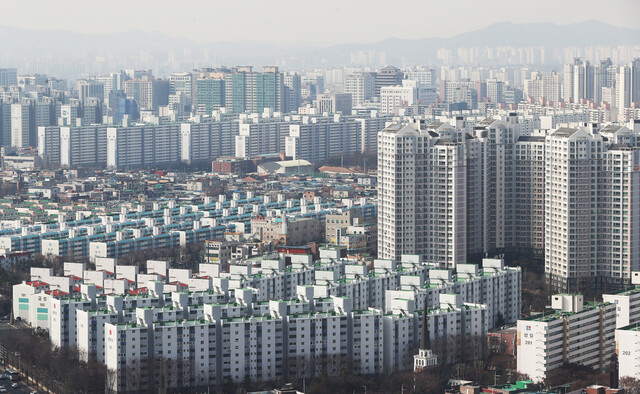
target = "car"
x: 3, y: 389
x: 15, y: 385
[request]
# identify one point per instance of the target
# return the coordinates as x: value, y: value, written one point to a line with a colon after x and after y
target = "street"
x: 23, y: 388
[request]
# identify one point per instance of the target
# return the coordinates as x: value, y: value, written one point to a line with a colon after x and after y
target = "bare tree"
x: 631, y: 385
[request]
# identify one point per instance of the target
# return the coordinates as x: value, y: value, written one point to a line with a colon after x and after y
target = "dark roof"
x: 565, y: 132
x: 621, y: 147
x: 486, y: 122
x: 531, y: 138
x: 434, y: 125
x: 446, y: 142
x: 612, y: 128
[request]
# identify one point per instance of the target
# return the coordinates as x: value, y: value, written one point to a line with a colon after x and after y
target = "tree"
x: 630, y: 384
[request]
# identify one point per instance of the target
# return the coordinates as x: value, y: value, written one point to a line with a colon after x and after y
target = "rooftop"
x: 565, y: 132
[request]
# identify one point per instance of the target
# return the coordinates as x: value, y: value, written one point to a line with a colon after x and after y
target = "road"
x: 23, y: 388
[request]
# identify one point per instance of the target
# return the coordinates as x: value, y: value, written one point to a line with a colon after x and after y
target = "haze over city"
x: 291, y: 21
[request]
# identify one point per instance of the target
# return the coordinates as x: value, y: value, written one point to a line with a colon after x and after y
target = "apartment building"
x: 361, y: 86
x: 261, y: 320
x: 628, y: 351
x: 494, y: 285
x: 573, y: 332
x: 324, y: 139
x: 335, y: 103
x: 627, y: 304
x: 586, y: 170
x: 143, y: 146
x: 394, y: 97
x: 449, y: 193
x: 369, y: 128
x: 23, y: 126
x: 255, y: 139
x: 568, y: 222
x: 422, y: 183
x: 149, y: 93
x: 526, y: 228
x: 208, y: 140
x: 452, y: 325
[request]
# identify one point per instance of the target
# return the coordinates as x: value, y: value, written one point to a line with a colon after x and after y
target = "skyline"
x: 285, y: 26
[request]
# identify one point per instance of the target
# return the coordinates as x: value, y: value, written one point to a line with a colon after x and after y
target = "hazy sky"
x: 324, y: 21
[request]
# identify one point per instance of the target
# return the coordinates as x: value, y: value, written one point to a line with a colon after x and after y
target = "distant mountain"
x: 589, y: 33
x: 547, y: 34
x: 56, y: 48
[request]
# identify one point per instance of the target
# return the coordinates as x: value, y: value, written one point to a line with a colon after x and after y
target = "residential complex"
x: 168, y: 224
x: 443, y: 190
x: 145, y: 145
x: 471, y: 162
x: 448, y: 193
x: 266, y: 317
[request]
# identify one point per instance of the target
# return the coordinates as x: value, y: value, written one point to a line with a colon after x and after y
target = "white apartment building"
x: 206, y: 141
x: 361, y: 86
x: 317, y: 342
x: 452, y: 323
x: 526, y: 227
x: 545, y: 88
x: 90, y: 335
x: 369, y: 128
x: 423, y: 76
x: 256, y: 139
x: 495, y: 91
x: 22, y: 125
x: 80, y: 146
x: 587, y: 170
x: 570, y: 153
x: 140, y: 146
x: 183, y: 82
x: 573, y: 332
x: 397, y: 199
x: 446, y: 192
x: 394, y: 97
x: 623, y: 87
x: 628, y: 351
x: 335, y: 102
x: 494, y: 285
x: 619, y: 220
x: 627, y: 306
x: 319, y: 141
